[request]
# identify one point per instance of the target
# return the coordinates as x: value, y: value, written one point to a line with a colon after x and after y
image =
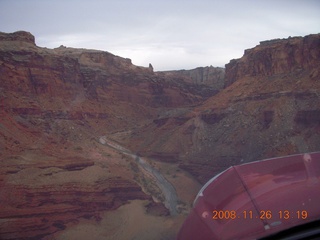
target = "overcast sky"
x: 170, y: 34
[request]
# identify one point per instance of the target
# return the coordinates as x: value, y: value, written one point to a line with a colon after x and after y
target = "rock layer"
x: 268, y: 108
x: 210, y: 76
x: 20, y: 36
x: 276, y: 57
x: 34, y: 212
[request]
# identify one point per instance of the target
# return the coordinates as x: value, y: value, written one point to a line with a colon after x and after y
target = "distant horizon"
x: 169, y: 34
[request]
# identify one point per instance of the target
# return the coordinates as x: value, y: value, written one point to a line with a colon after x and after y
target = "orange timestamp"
x: 262, y: 214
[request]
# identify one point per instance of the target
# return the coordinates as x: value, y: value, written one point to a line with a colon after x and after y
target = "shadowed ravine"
x: 169, y: 192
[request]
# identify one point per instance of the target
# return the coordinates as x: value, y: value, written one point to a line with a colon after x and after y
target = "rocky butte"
x: 59, y: 179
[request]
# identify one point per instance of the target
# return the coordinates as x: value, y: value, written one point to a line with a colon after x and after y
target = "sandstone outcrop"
x: 276, y: 57
x: 209, y: 76
x: 20, y: 36
x: 33, y: 212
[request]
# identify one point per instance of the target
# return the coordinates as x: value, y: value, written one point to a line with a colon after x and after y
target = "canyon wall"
x: 210, y: 76
x: 276, y: 57
x: 268, y: 108
x: 55, y: 104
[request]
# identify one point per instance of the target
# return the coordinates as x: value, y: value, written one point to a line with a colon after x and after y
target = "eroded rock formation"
x: 275, y: 58
x: 33, y: 212
x: 210, y: 76
x: 269, y: 107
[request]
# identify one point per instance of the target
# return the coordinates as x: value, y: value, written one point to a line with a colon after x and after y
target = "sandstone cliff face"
x: 270, y: 107
x: 210, y: 76
x: 276, y: 57
x: 87, y: 72
x: 20, y: 36
x: 83, y: 85
x: 33, y: 212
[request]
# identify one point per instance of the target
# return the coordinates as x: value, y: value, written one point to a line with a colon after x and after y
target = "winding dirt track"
x: 169, y: 192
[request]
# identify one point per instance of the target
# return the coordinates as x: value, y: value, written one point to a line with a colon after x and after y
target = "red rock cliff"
x: 276, y: 57
x: 210, y: 76
x: 270, y: 107
x: 20, y: 36
x: 54, y: 106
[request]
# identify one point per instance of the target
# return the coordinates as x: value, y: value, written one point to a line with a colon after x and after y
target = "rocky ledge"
x: 276, y: 57
x: 40, y: 199
x: 20, y: 36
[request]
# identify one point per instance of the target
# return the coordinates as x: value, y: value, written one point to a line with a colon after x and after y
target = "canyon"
x: 59, y: 174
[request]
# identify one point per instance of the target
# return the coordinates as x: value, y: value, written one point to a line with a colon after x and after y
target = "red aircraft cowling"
x: 256, y: 199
